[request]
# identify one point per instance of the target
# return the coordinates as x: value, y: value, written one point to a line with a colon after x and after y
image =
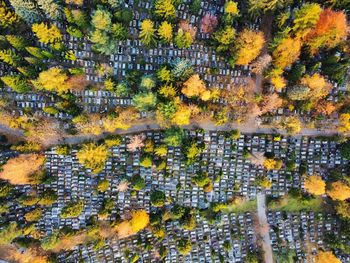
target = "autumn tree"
x: 318, y: 85
x: 225, y: 38
x: 208, y: 23
x: 72, y: 209
x: 53, y: 79
x: 18, y: 170
x: 136, y: 143
x: 34, y: 215
x: 10, y: 57
x: 326, y: 257
x: 50, y: 8
x: 47, y: 34
x: 93, y: 156
x: 343, y: 209
x: 157, y: 198
x: 139, y: 220
x: 165, y: 8
x: 231, y: 8
x: 193, y: 87
x: 306, y: 18
x: 249, y: 44
x: 258, y: 6
x: 273, y: 164
x: 17, y: 83
x: 315, y: 185
x: 184, y: 246
x: 147, y: 33
x: 145, y: 101
x: 7, y: 16
x: 27, y: 10
x: 185, y: 35
x: 344, y: 122
x: 339, y: 191
x: 291, y: 124
x: 165, y: 32
x: 286, y: 52
x: 330, y: 30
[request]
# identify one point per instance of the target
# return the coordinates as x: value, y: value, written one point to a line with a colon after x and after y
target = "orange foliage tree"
x: 329, y: 31
x: 326, y: 257
x: 315, y: 185
x: 339, y: 191
x: 19, y: 169
x: 249, y: 45
x: 318, y: 85
x: 193, y: 87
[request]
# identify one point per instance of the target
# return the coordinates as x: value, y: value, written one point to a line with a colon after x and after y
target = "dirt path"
x: 264, y: 228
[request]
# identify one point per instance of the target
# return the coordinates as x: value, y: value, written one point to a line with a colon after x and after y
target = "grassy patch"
x: 242, y: 207
x: 295, y: 204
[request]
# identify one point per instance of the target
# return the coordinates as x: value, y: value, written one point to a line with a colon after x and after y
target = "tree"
x: 249, y: 45
x: 72, y: 209
x: 7, y: 16
x: 165, y: 9
x: 47, y: 34
x: 147, y: 82
x: 147, y: 34
x: 173, y: 136
x: 182, y: 115
x: 9, y: 232
x: 208, y: 23
x: 139, y: 220
x: 10, y: 57
x: 93, y: 156
x: 34, y: 215
x: 326, y: 257
x: 103, y: 185
x: 339, y: 191
x: 146, y: 161
x: 165, y: 32
x: 286, y: 52
x: 17, y: 83
x: 261, y: 64
x: 345, y: 150
x: 145, y: 101
x: 136, y: 142
x: 292, y: 124
x: 183, y: 39
x: 258, y: 6
x: 231, y: 8
x: 164, y: 74
x: 193, y: 87
x: 18, y: 170
x: 17, y: 42
x: 306, y: 18
x: 343, y: 209
x: 315, y: 185
x: 318, y: 85
x: 50, y: 8
x: 5, y: 189
x: 273, y: 164
x: 225, y: 38
x: 184, y: 246
x: 101, y: 19
x: 27, y: 10
x: 53, y: 79
x: 299, y: 92
x: 344, y: 122
x: 157, y: 198
x: 138, y: 182
x: 330, y: 30
x: 263, y: 182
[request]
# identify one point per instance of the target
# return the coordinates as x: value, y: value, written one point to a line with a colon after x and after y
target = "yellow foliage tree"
x: 231, y: 8
x: 193, y: 87
x: 165, y: 8
x: 147, y: 34
x: 249, y: 45
x: 93, y: 156
x: 139, y: 220
x: 286, y: 52
x: 165, y: 32
x: 339, y: 191
x: 53, y: 79
x: 291, y: 124
x: 315, y: 185
x: 272, y: 164
x: 19, y: 169
x: 318, y: 85
x: 182, y: 116
x: 47, y: 34
x: 344, y: 122
x: 326, y: 257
